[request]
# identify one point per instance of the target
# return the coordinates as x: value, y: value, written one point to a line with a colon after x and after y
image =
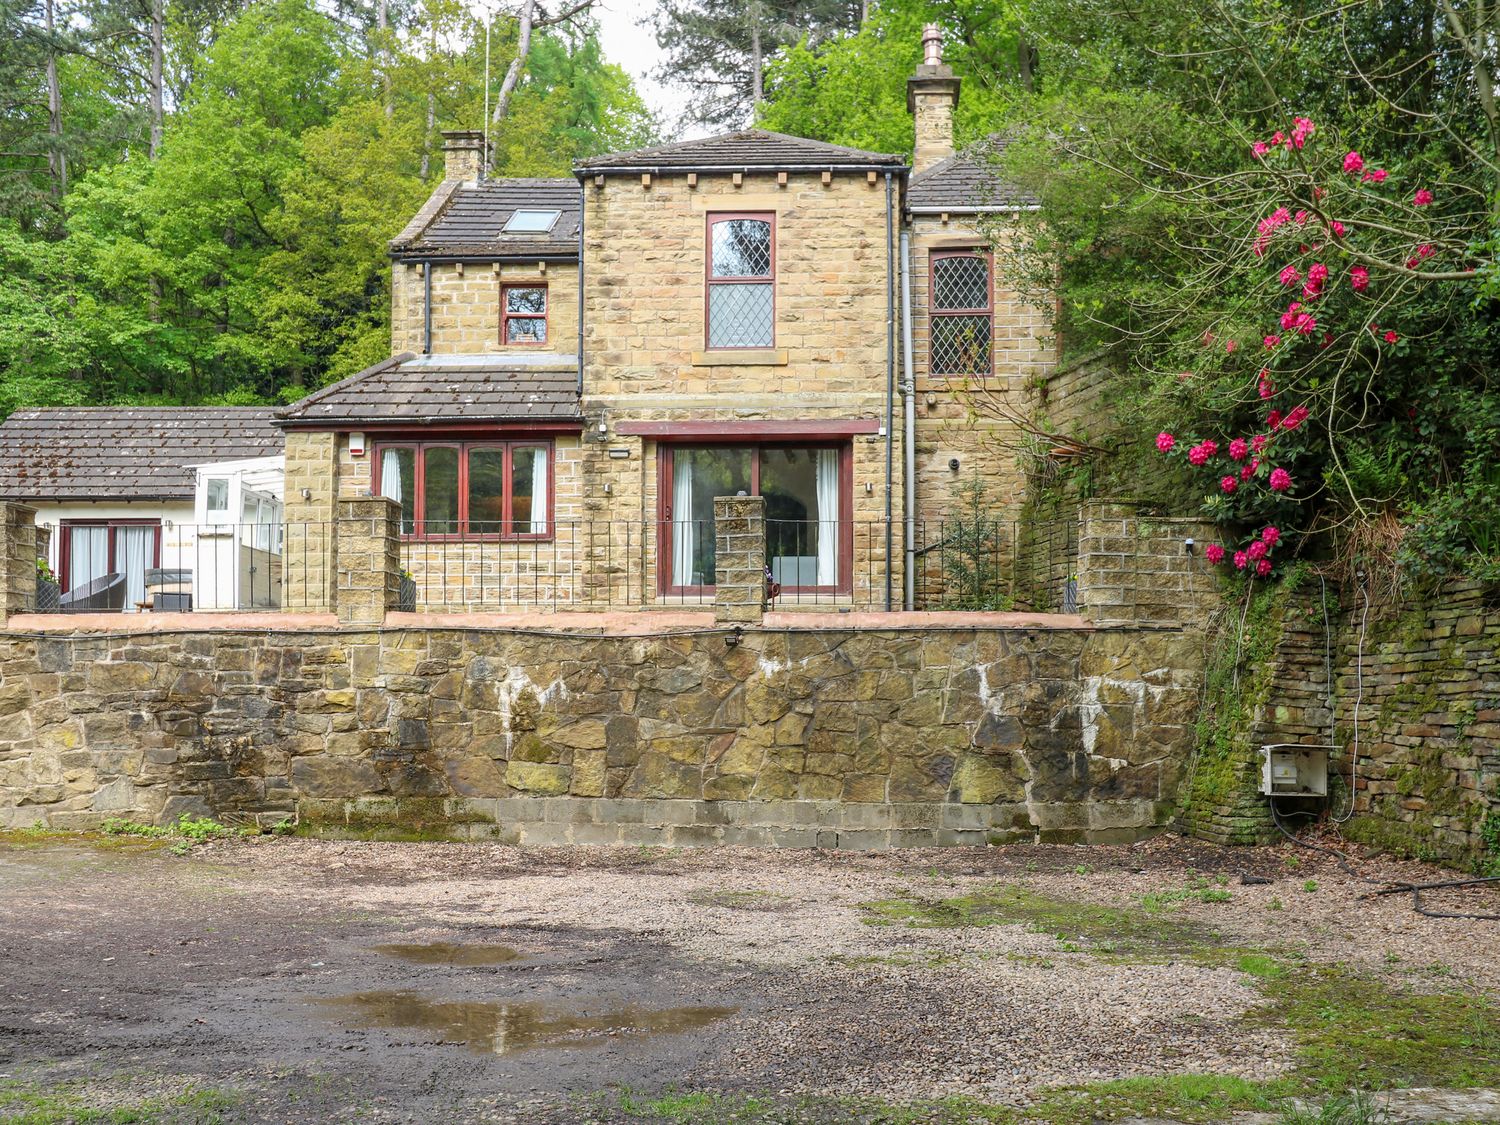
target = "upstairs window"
x: 962, y: 314
x: 458, y: 490
x: 531, y: 222
x: 741, y: 303
x: 523, y: 316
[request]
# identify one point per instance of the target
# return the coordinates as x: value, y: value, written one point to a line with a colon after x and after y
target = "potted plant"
x: 406, y: 594
x: 48, y: 592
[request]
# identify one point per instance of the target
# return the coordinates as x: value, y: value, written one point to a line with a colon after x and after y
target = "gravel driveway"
x: 302, y: 980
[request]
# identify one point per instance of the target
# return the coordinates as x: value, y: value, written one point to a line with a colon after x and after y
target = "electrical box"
x: 1292, y: 770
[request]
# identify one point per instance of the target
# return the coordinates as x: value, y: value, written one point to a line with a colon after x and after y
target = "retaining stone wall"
x: 857, y: 738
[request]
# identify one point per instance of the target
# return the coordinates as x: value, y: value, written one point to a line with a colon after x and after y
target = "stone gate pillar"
x: 369, y: 559
x: 17, y: 560
x: 739, y: 559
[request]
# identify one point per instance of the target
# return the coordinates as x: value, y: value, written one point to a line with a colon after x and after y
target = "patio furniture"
x: 102, y: 594
x: 168, y: 590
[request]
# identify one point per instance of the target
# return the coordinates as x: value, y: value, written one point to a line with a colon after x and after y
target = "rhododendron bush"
x: 1286, y: 240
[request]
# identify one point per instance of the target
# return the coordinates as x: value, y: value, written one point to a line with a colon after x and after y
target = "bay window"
x: 492, y: 489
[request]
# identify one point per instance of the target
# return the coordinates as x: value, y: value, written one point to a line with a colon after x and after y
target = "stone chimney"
x: 931, y: 95
x: 463, y: 154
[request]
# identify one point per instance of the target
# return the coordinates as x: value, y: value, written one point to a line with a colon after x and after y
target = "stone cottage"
x: 581, y: 365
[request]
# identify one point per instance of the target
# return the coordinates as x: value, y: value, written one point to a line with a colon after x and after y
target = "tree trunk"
x: 1024, y: 63
x: 757, y: 80
x: 158, y: 32
x: 57, y: 159
x: 517, y: 64
x: 382, y: 55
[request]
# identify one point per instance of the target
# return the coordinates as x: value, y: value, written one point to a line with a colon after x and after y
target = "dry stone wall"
x: 834, y: 737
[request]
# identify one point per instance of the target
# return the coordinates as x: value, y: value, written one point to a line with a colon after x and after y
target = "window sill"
x: 741, y: 357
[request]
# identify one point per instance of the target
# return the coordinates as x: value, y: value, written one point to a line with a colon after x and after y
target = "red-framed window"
x: 963, y: 313
x: 739, y: 304
x: 90, y: 549
x: 808, y: 488
x: 523, y: 314
x: 468, y: 489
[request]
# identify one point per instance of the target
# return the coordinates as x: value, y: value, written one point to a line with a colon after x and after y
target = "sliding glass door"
x: 127, y: 549
x: 806, y: 493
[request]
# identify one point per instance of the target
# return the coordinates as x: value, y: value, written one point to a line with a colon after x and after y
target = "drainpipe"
x: 890, y: 391
x: 582, y: 206
x: 908, y: 431
x: 426, y: 308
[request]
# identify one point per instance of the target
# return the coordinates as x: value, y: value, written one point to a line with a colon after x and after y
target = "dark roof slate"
x: 967, y: 181
x: 399, y: 390
x: 125, y: 452
x: 748, y: 148
x: 470, y: 219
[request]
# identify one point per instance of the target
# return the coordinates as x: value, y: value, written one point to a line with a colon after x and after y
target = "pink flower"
x: 1231, y: 346
x: 1254, y: 463
x: 1376, y: 177
x: 1337, y: 228
x: 1271, y: 536
x: 1229, y: 484
x: 1280, y: 481
x: 1327, y: 340
x: 1263, y: 568
x: 1312, y: 291
x: 1277, y: 138
x: 1165, y: 441
x: 1257, y: 550
x: 1391, y: 337
x: 1271, y: 341
x: 1359, y: 279
x: 1422, y: 198
x: 1354, y: 163
x: 1214, y: 553
x: 1240, y: 560
x: 1290, y: 276
x: 1210, y: 446
x: 1260, y: 148
x: 1317, y: 272
x: 1305, y: 324
x: 1289, y: 318
x: 1239, y: 449
x: 1247, y: 472
x: 1198, y: 455
x: 1258, y: 442
x: 1413, y: 263
x: 1295, y: 418
x: 1301, y: 217
x: 1302, y: 128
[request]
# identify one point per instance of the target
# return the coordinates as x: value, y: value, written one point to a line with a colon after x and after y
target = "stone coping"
x: 627, y: 623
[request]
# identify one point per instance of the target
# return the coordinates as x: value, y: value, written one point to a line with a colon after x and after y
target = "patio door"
x: 93, y: 550
x: 806, y: 488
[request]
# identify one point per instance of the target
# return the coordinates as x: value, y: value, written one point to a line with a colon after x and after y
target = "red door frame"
x: 665, y: 456
x: 65, y: 546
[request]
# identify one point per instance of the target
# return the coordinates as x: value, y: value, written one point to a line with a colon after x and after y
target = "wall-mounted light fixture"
x: 603, y: 427
x: 307, y: 494
x: 608, y: 488
x: 953, y: 464
x: 1188, y: 545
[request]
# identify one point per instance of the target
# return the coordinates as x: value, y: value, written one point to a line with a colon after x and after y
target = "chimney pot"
x: 463, y: 154
x: 932, y: 45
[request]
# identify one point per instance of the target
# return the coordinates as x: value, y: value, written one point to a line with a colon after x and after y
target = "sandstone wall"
x: 466, y: 307
x: 852, y: 738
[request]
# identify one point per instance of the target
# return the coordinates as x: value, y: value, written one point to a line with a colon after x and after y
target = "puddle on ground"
x: 450, y: 953
x: 505, y: 1028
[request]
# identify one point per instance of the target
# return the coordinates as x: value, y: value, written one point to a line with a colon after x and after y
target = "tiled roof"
x: 966, y: 181
x: 749, y: 148
x: 469, y: 219
x: 443, y: 389
x: 126, y: 452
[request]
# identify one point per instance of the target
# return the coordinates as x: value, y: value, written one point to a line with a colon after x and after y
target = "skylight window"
x: 531, y: 222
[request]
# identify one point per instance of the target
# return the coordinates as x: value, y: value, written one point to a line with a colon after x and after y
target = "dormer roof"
x: 966, y: 183
x: 464, y: 219
x: 745, y: 150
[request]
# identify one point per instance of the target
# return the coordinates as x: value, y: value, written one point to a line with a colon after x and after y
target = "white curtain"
x: 684, y: 529
x: 539, y: 492
x: 88, y: 555
x: 134, y: 551
x: 390, y: 475
x: 828, y: 517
